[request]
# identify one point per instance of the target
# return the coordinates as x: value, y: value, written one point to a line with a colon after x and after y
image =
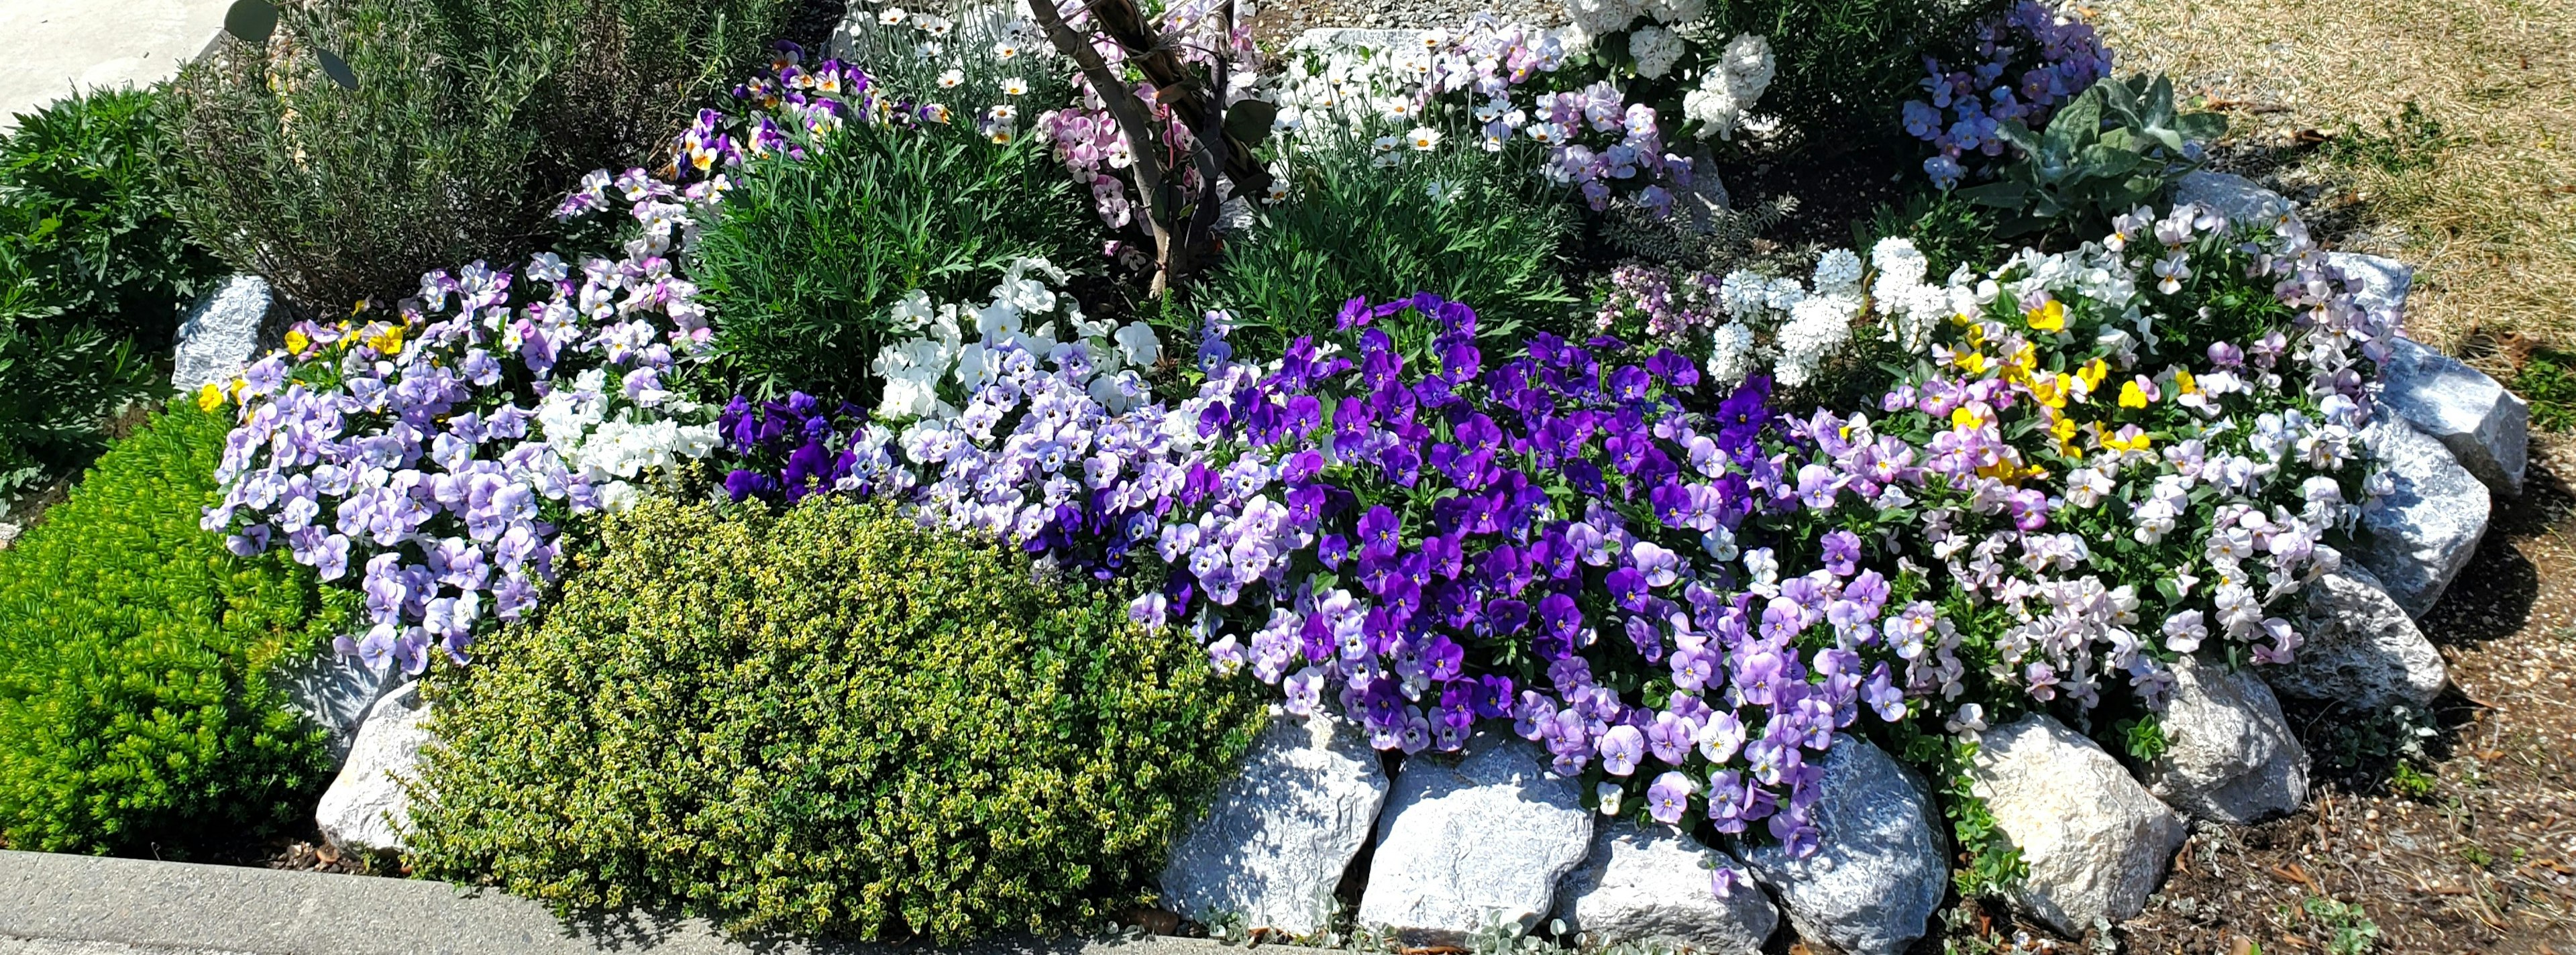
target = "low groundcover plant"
x: 824, y: 720
x: 136, y: 712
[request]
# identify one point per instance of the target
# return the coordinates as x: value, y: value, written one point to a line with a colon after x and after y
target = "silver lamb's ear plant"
x: 2113, y: 148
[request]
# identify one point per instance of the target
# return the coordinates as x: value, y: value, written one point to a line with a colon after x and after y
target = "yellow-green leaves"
x: 825, y: 721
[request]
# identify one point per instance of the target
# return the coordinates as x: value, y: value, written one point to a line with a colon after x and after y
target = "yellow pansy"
x: 210, y: 397
x: 2049, y: 317
x: 1976, y: 334
x: 1966, y: 416
x: 1972, y: 362
x: 387, y: 342
x: 2135, y: 440
x: 2092, y: 374
x: 2064, y: 429
x: 2051, y: 390
x: 2184, y: 384
x: 297, y: 341
x: 2132, y: 396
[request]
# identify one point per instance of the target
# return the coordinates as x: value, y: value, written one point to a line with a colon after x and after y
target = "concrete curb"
x: 79, y: 905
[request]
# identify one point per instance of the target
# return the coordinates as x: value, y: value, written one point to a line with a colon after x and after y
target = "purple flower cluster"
x: 2031, y: 63
x: 1393, y: 526
x: 432, y: 454
x: 1630, y: 147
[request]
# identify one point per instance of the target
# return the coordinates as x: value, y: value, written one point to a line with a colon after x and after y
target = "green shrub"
x: 469, y: 121
x: 823, y: 721
x: 135, y: 712
x: 1453, y: 222
x: 84, y: 182
x: 809, y: 254
x: 60, y: 382
x: 93, y: 276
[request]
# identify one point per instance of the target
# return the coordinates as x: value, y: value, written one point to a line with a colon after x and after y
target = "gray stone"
x: 1468, y: 843
x: 2418, y: 537
x: 2383, y: 282
x: 366, y: 808
x: 2234, y: 196
x: 1653, y: 886
x: 335, y: 692
x: 1356, y: 39
x: 2229, y: 755
x: 2096, y: 842
x: 2485, y: 426
x: 1279, y: 836
x: 220, y: 334
x: 1881, y: 863
x: 2361, y: 648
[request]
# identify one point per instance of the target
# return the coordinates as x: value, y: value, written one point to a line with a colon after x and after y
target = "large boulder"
x: 1279, y: 836
x: 1881, y: 864
x: 1654, y: 887
x: 335, y: 692
x: 219, y: 334
x: 2229, y: 755
x: 366, y: 808
x: 1466, y: 843
x: 2486, y: 427
x: 2233, y: 196
x: 2361, y: 648
x: 2417, y: 538
x: 2096, y: 842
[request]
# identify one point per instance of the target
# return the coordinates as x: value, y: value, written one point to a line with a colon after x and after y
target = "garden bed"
x: 1685, y: 477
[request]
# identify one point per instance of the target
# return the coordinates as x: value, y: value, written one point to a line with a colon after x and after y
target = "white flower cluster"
x: 1729, y: 88
x: 612, y: 443
x: 1101, y: 357
x: 1598, y: 17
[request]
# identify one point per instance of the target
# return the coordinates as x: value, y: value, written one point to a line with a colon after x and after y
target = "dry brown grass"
x: 2490, y: 221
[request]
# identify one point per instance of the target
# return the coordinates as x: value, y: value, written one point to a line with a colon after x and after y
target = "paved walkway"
x: 47, y: 47
x: 85, y: 905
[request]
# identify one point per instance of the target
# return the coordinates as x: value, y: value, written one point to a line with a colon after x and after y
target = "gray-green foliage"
x: 826, y: 720
x: 2117, y: 146
x: 1454, y: 222
x: 469, y: 120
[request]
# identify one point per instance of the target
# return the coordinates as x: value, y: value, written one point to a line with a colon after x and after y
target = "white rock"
x: 1473, y: 842
x: 335, y: 692
x: 2229, y: 755
x: 219, y: 335
x: 2418, y: 538
x: 1652, y: 886
x: 2234, y: 196
x: 1278, y: 837
x: 2485, y: 426
x: 2096, y: 842
x: 1881, y: 865
x: 1356, y: 39
x: 2361, y: 648
x: 366, y: 809
x: 2384, y: 281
